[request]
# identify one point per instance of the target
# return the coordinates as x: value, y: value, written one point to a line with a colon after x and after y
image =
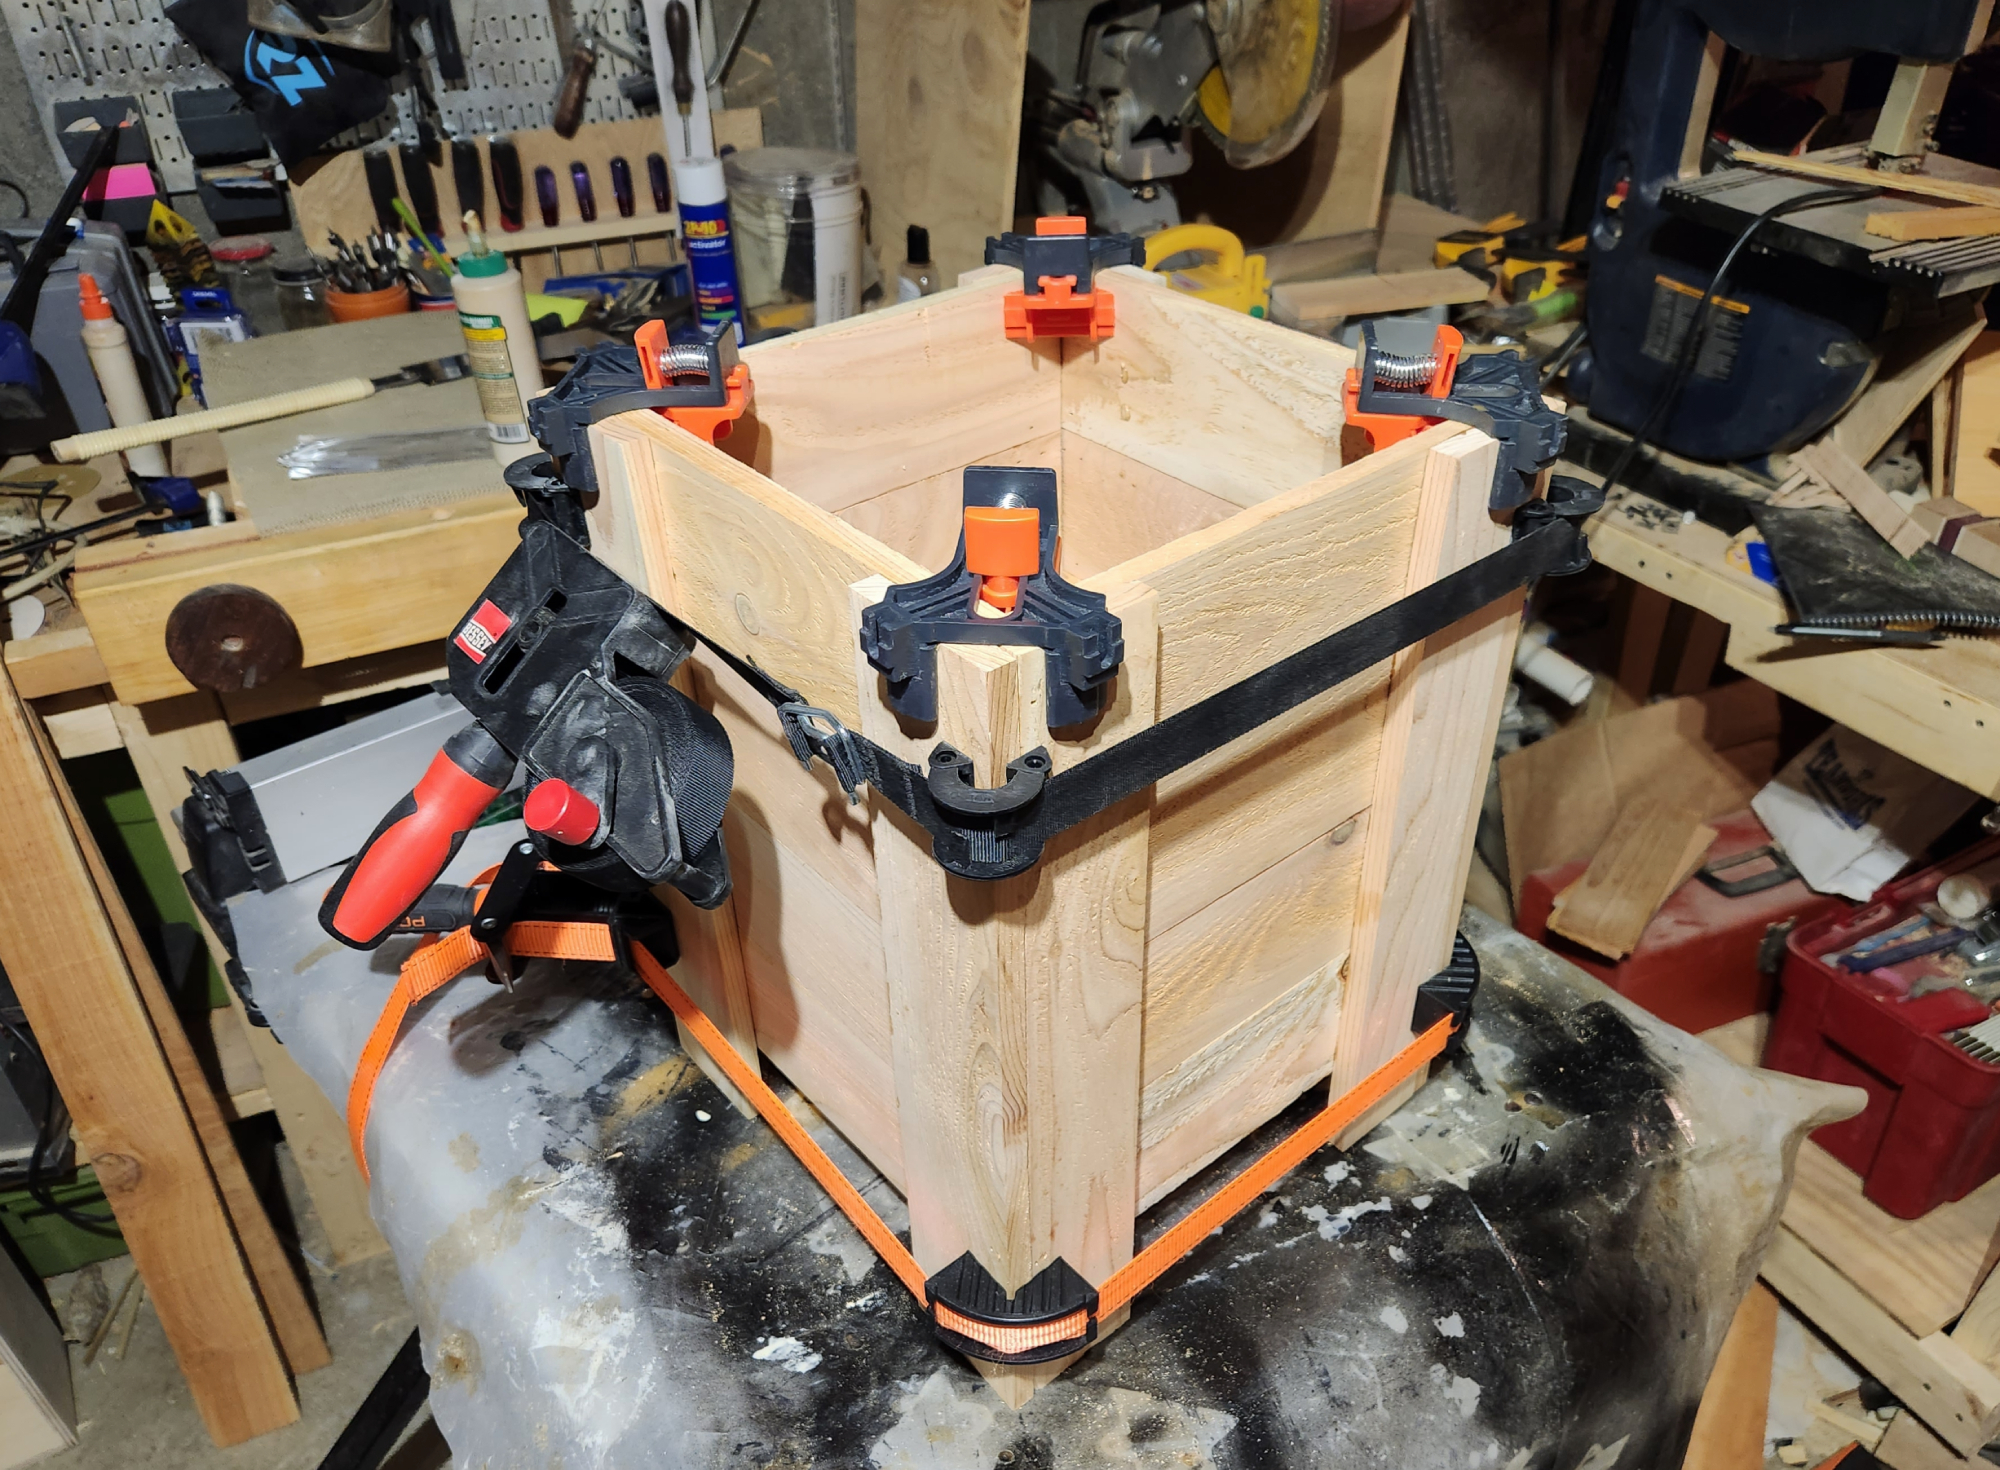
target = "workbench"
x: 1938, y: 706
x: 372, y: 599
x: 1534, y: 1260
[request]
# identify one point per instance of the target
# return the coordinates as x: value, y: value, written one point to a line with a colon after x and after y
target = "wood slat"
x: 65, y: 963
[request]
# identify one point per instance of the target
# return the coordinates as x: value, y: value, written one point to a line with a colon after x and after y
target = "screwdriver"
x: 677, y: 44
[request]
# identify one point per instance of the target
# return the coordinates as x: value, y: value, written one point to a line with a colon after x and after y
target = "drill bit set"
x: 383, y: 259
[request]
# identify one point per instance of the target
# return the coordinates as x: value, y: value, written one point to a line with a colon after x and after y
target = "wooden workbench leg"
x: 1445, y: 696
x: 166, y: 739
x: 1016, y: 1005
x: 1645, y: 627
x: 66, y: 964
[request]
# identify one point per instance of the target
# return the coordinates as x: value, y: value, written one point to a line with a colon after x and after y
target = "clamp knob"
x: 561, y: 813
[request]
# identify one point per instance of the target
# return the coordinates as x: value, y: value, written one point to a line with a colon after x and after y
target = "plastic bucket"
x: 360, y: 306
x: 796, y: 216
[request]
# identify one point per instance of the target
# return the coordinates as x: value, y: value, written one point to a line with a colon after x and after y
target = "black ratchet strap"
x: 998, y: 832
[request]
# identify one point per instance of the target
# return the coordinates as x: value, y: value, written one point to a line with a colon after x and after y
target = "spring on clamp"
x: 1404, y: 373
x: 684, y: 359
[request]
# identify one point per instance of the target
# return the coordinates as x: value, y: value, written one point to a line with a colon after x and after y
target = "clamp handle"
x: 421, y: 833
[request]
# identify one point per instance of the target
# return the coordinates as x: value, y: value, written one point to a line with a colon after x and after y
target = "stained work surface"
x: 1531, y: 1265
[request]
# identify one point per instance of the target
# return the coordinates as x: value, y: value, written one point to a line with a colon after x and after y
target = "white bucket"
x: 773, y: 192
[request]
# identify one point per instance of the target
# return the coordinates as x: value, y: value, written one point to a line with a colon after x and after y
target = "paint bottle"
x: 704, y: 207
x: 118, y: 375
x: 499, y: 342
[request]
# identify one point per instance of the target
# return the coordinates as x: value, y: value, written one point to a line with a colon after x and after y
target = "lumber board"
x: 1907, y: 1445
x: 351, y: 589
x: 1923, y: 185
x: 754, y: 567
x: 922, y: 519
x: 54, y: 662
x: 65, y: 963
x: 926, y: 71
x: 1955, y: 1394
x: 1351, y: 143
x: 80, y: 722
x: 1317, y: 303
x: 1975, y: 462
x: 1222, y: 820
x: 1952, y: 223
x: 166, y: 739
x: 1729, y: 1426
x: 826, y: 1029
x: 1248, y: 1074
x: 941, y: 384
x: 1115, y: 508
x: 1016, y: 1004
x: 1914, y: 363
x: 285, y: 1302
x: 1248, y: 947
x: 1828, y: 462
x: 1634, y: 870
x: 1445, y: 696
x: 1253, y: 589
x: 339, y: 682
x: 1148, y: 392
x: 1935, y: 705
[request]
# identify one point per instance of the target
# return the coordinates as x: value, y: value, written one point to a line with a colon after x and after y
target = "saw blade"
x: 1274, y: 63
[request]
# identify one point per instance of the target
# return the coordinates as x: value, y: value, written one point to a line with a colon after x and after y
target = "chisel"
x: 81, y: 447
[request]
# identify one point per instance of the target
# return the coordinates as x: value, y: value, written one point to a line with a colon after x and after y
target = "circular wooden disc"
x: 228, y: 638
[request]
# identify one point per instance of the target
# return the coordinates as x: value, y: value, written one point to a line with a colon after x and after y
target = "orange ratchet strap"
x: 1035, y: 1339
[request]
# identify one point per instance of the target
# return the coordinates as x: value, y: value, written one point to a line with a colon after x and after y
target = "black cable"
x: 1697, y: 333
x: 44, y: 1136
x: 1552, y: 369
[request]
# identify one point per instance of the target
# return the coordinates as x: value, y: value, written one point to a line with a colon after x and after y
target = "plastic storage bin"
x: 1931, y: 1131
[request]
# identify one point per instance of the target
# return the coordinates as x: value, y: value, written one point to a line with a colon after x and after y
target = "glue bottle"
x: 118, y: 375
x: 499, y: 341
x: 704, y: 206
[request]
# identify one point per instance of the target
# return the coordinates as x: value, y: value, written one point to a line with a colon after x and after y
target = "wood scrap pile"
x: 1633, y: 794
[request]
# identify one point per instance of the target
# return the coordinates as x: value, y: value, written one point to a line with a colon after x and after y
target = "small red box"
x: 1696, y: 964
x: 1931, y: 1131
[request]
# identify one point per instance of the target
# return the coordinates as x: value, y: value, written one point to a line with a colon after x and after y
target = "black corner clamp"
x: 1449, y: 993
x: 1057, y: 265
x: 1032, y: 605
x: 1050, y: 1317
x: 1498, y: 392
x: 697, y: 384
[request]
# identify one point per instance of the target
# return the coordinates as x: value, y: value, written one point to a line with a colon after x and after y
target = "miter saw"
x: 1252, y: 74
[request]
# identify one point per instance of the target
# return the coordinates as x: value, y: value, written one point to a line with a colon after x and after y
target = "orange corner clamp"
x: 708, y: 376
x: 1059, y: 260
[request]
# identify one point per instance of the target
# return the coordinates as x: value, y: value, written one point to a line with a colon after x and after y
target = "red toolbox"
x: 1931, y: 1131
x: 1696, y: 964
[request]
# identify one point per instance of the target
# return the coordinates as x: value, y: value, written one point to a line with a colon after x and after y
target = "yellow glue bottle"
x: 499, y: 342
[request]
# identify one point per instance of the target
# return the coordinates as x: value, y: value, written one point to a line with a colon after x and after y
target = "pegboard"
x: 77, y: 49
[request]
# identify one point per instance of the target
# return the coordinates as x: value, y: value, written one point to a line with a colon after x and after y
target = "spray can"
x: 499, y: 342
x: 118, y: 375
x: 704, y: 207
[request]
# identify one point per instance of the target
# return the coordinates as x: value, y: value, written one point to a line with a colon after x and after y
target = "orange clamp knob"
x: 1002, y: 545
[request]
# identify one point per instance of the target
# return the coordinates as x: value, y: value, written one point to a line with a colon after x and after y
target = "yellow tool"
x: 1273, y: 66
x: 1225, y: 276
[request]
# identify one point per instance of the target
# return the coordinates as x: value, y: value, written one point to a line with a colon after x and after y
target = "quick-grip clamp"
x: 1001, y: 588
x: 1056, y: 263
x: 1412, y: 375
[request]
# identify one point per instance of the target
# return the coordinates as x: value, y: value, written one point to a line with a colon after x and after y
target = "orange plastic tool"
x: 1384, y: 429
x: 1002, y: 545
x: 1056, y: 308
x: 711, y: 421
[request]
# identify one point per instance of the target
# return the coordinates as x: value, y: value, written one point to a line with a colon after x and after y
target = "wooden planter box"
x: 1033, y: 1062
